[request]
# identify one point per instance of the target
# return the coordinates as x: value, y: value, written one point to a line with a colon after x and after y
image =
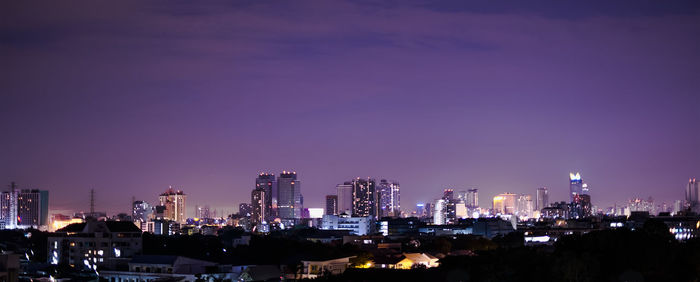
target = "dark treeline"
x: 647, y: 254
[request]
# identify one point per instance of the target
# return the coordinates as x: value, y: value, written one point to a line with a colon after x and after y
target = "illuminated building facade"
x: 439, y: 212
x: 692, y: 195
x: 364, y: 195
x: 258, y: 203
x: 542, y: 198
x: 580, y: 199
x: 332, y: 204
x: 245, y: 209
x: 345, y: 198
x: 450, y: 206
x: 25, y: 208
x: 32, y: 208
x: 289, y: 199
x: 420, y: 210
x: 95, y: 243
x: 389, y: 198
x: 504, y: 203
x: 174, y: 205
x: 575, y: 186
x: 525, y: 207
x: 141, y: 211
x: 472, y: 199
x: 267, y: 182
x: 357, y: 225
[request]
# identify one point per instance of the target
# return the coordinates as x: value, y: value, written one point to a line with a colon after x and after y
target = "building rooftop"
x: 100, y: 226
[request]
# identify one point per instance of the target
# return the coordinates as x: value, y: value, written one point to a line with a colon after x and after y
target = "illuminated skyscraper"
x: 439, y: 212
x: 420, y: 210
x: 575, y: 186
x: 245, y: 209
x: 8, y: 207
x: 32, y: 207
x: 25, y: 208
x: 450, y: 206
x: 332, y: 204
x: 525, y: 206
x: 203, y: 212
x: 289, y: 199
x: 504, y: 203
x: 389, y: 199
x: 266, y: 181
x: 364, y: 196
x: 141, y: 211
x: 345, y: 199
x: 174, y: 203
x: 542, y: 199
x: 472, y: 200
x: 692, y: 195
x: 580, y: 199
x: 258, y: 203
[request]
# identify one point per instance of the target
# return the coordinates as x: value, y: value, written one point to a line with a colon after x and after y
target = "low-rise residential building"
x: 316, y: 268
x: 406, y: 261
x: 356, y: 225
x: 95, y: 244
x: 148, y: 268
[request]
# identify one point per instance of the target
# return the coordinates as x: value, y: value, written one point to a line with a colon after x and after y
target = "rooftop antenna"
x: 92, y: 202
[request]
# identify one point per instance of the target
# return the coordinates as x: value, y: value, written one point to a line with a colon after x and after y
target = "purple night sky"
x: 130, y: 97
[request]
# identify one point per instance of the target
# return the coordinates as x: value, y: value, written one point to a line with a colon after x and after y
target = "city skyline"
x: 192, y: 211
x: 498, y: 98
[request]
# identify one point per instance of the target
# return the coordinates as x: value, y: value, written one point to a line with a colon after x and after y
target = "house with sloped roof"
x: 405, y: 261
x: 312, y: 269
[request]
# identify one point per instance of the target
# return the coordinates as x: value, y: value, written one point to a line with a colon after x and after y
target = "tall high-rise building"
x: 25, y: 208
x: 542, y: 198
x: 8, y: 207
x: 174, y: 203
x: 439, y: 212
x: 450, y: 206
x: 203, y: 212
x: 245, y: 209
x: 692, y: 195
x: 267, y: 182
x: 259, y: 206
x: 345, y: 199
x: 461, y: 210
x: 525, y: 206
x: 448, y: 194
x: 289, y: 199
x: 504, y: 203
x: 389, y: 201
x: 364, y: 194
x: 332, y: 204
x: 141, y: 211
x: 575, y: 186
x: 472, y: 200
x: 32, y: 207
x: 580, y: 199
x: 420, y: 210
